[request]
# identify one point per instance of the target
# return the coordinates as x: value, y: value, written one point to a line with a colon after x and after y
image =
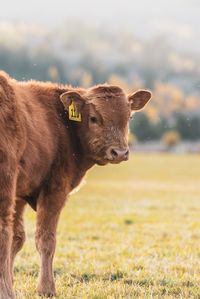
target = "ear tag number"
x: 73, y: 113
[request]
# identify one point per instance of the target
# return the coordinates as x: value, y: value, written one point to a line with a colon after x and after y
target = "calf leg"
x: 7, y: 197
x: 18, y: 230
x: 48, y: 211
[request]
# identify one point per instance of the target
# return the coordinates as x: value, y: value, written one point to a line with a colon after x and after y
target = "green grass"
x: 133, y: 231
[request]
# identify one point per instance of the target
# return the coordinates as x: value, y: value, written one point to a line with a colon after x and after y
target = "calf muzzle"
x: 116, y: 155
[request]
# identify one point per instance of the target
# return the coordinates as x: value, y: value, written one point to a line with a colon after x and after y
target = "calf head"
x: 102, y: 115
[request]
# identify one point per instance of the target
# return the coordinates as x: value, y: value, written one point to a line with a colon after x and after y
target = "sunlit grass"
x: 133, y: 231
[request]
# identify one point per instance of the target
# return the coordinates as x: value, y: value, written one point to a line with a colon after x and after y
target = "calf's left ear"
x: 139, y: 99
x: 71, y: 96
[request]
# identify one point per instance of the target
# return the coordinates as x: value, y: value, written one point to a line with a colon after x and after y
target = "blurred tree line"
x: 188, y: 127
x: 23, y: 66
x: 84, y: 56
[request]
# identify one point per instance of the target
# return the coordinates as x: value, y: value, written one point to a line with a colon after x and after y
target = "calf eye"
x: 93, y: 120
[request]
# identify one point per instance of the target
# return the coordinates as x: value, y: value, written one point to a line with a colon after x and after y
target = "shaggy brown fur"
x: 44, y: 156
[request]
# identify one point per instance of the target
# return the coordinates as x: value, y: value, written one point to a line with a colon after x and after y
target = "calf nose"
x: 117, y: 154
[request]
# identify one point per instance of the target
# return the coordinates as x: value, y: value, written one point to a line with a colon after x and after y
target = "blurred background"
x: 133, y: 44
x: 132, y: 231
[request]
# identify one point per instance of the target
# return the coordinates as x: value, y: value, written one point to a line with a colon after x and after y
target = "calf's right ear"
x: 69, y: 97
x: 139, y: 99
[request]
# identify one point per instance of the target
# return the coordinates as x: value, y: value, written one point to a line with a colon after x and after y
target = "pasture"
x: 133, y: 231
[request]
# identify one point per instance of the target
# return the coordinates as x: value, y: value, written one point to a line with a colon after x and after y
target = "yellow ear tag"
x: 73, y: 113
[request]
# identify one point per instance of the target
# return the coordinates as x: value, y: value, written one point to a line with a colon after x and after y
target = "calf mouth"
x: 118, y: 161
x: 105, y: 161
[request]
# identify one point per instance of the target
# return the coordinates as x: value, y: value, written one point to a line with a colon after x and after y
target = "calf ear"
x: 139, y: 99
x: 71, y: 96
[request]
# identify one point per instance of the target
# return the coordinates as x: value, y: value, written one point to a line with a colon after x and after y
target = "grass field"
x: 133, y: 231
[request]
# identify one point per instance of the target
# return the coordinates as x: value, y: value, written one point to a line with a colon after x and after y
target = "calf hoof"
x: 47, y: 290
x: 6, y: 291
x: 46, y: 293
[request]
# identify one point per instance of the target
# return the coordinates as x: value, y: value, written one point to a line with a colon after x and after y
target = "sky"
x: 145, y: 18
x: 52, y: 12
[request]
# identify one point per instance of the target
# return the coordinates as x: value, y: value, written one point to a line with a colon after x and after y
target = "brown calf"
x: 50, y: 135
